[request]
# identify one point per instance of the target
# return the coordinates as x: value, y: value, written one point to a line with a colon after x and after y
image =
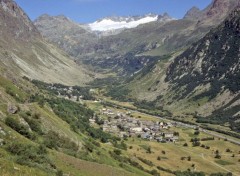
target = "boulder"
x: 12, y: 109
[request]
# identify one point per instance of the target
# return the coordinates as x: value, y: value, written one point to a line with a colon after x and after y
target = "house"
x: 146, y: 136
x: 174, y: 139
x: 136, y: 129
x: 123, y: 134
x: 168, y: 134
x: 146, y: 129
x: 159, y: 139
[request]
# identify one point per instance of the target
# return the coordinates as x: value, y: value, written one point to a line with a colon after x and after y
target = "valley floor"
x: 169, y: 157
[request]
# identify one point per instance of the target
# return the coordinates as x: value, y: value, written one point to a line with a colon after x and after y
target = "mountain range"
x: 156, y: 38
x: 53, y: 70
x: 127, y: 54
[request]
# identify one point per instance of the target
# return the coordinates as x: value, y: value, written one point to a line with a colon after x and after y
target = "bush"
x: 165, y: 170
x: 59, y: 173
x: 30, y: 155
x: 154, y: 172
x: 228, y: 150
x: 34, y: 123
x: 207, y: 147
x: 149, y: 150
x: 117, y: 152
x: 147, y: 162
x: 188, y: 173
x: 53, y: 140
x: 20, y: 128
x: 218, y: 156
x: 196, y: 132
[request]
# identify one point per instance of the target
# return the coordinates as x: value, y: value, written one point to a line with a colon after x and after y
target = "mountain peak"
x: 15, y: 16
x: 193, y: 13
x: 48, y: 17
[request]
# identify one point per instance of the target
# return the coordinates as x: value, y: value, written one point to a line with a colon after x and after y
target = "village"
x: 124, y: 125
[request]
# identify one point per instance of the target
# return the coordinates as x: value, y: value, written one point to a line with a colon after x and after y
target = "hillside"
x: 202, y: 81
x: 42, y: 134
x: 24, y: 52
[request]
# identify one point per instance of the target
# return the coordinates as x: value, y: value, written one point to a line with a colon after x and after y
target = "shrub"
x: 34, y: 124
x: 20, y: 128
x: 196, y: 133
x: 149, y: 150
x: 154, y: 172
x: 218, y: 156
x: 165, y: 170
x: 30, y: 155
x: 53, y: 140
x: 59, y: 173
x: 145, y: 161
x: 228, y: 150
x: 117, y: 152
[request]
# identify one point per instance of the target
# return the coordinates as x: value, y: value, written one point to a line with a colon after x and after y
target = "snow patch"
x: 108, y: 24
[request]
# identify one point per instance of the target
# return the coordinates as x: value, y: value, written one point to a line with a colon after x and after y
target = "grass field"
x: 201, y: 159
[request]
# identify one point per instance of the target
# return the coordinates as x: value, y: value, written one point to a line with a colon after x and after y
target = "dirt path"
x: 218, y: 165
x: 212, y: 162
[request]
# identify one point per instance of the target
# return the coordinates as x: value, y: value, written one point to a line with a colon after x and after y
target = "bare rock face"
x: 15, y: 22
x: 218, y: 10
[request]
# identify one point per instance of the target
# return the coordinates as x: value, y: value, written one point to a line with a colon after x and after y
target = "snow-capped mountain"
x: 116, y: 23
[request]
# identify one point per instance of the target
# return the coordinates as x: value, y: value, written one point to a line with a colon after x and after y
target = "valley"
x: 112, y: 115
x: 121, y: 95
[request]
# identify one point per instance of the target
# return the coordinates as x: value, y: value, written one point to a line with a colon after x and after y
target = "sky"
x: 87, y: 11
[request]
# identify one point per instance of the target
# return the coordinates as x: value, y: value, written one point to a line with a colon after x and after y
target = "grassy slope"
x: 50, y: 121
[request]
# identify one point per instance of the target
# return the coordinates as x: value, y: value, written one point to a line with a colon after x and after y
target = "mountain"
x: 80, y: 41
x: 116, y: 23
x: 193, y: 14
x: 217, y: 11
x: 110, y: 50
x: 203, y: 81
x: 24, y: 52
x: 74, y: 38
x: 213, y: 62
